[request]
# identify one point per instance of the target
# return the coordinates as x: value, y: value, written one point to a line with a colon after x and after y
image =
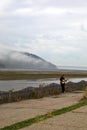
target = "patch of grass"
x: 14, y: 75
x: 70, y: 108
x: 31, y: 121
x: 85, y: 94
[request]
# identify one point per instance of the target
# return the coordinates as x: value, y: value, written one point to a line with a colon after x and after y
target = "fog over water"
x: 20, y: 84
x: 83, y: 68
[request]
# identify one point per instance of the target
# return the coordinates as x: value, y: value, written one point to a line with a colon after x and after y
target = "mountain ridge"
x: 24, y: 60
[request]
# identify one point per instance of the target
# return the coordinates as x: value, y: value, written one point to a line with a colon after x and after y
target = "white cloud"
x: 52, y: 29
x: 39, y: 11
x: 53, y: 11
x: 4, y: 5
x: 50, y: 11
x: 77, y: 11
x: 24, y: 11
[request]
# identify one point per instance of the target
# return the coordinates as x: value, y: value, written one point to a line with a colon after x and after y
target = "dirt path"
x: 14, y: 112
x: 75, y: 120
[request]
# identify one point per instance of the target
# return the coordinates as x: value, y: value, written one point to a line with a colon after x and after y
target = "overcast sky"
x: 55, y: 30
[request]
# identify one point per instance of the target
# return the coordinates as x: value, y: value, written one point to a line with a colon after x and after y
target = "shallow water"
x: 6, y: 85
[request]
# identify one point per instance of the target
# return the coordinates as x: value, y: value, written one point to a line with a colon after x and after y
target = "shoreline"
x: 52, y: 89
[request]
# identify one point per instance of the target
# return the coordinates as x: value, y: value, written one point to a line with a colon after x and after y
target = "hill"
x: 24, y: 60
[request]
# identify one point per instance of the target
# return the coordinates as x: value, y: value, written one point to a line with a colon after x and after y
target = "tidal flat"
x: 38, y: 74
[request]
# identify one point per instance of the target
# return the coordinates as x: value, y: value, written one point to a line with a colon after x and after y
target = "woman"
x: 62, y: 82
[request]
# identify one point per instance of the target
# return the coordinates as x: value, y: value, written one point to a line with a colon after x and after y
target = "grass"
x: 17, y: 75
x: 85, y: 94
x: 31, y: 121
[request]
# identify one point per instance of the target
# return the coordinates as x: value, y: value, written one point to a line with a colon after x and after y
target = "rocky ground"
x: 42, y: 91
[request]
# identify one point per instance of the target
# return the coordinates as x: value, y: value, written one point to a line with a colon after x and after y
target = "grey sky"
x: 56, y: 30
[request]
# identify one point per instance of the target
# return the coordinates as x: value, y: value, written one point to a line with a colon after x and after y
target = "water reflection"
x: 20, y: 84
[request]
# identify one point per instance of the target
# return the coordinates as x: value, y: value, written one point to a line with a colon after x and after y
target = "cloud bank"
x: 53, y: 29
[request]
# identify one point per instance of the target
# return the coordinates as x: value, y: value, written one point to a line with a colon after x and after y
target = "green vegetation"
x: 85, y: 94
x: 31, y: 121
x: 15, y: 75
x: 33, y: 93
x: 18, y: 75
